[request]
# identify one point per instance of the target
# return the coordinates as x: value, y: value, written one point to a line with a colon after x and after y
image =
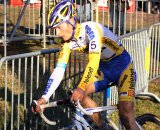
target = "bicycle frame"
x: 81, y: 121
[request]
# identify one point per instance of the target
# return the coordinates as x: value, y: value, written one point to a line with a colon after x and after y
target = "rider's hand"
x: 40, y: 101
x: 78, y: 94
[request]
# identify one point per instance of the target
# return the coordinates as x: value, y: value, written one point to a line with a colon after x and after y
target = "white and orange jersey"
x: 92, y: 38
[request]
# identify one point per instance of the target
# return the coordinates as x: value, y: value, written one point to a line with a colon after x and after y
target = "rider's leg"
x: 96, y: 117
x: 126, y: 101
x: 87, y: 102
x: 126, y: 92
x: 126, y: 112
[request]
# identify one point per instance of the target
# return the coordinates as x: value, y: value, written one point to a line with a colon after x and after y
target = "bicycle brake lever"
x: 34, y: 105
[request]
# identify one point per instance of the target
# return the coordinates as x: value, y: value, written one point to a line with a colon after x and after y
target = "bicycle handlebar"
x: 42, y: 107
x: 64, y: 101
x: 50, y: 104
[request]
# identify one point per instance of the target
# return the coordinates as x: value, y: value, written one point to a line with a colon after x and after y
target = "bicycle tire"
x: 148, y: 118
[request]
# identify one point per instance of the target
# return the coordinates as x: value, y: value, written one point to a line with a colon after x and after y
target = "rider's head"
x: 62, y: 17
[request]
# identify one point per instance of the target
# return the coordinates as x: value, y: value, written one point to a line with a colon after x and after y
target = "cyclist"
x: 108, y: 62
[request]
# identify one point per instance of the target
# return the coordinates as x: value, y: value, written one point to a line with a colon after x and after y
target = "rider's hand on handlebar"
x: 78, y: 94
x: 36, y: 105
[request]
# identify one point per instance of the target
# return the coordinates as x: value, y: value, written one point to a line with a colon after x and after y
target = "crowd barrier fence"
x: 23, y: 75
x: 26, y: 20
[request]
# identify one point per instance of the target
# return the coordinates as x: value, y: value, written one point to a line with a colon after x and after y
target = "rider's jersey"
x: 92, y: 38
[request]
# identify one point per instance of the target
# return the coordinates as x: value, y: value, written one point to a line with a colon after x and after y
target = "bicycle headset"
x: 62, y: 12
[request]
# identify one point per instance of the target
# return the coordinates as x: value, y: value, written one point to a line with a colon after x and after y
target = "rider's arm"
x: 95, y: 44
x: 57, y: 75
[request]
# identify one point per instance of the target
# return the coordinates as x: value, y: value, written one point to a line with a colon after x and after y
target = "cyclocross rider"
x: 108, y: 61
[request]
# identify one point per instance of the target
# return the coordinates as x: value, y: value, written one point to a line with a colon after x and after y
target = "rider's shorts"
x: 120, y: 71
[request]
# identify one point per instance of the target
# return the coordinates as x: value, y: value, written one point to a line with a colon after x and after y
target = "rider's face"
x: 64, y: 30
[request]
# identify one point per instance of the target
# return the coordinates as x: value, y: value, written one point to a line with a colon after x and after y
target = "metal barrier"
x: 154, y: 34
x: 28, y: 20
x: 32, y: 23
x: 22, y: 78
x: 154, y: 59
x: 32, y: 69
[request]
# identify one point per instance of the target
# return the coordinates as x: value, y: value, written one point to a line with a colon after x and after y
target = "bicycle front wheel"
x: 148, y: 121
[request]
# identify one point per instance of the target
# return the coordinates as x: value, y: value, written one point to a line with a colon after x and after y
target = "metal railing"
x: 32, y: 69
x: 155, y: 52
x: 29, y: 21
x: 153, y: 59
x: 23, y: 78
x: 24, y: 74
